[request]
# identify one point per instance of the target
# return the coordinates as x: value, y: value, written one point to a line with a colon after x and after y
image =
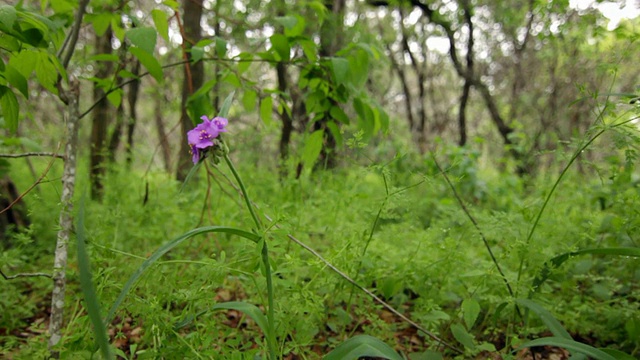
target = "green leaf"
x: 359, y: 68
x: 337, y: 113
x: 244, y: 63
x: 161, y: 23
x: 46, y: 72
x: 617, y: 354
x: 149, y: 62
x: 8, y: 16
x: 165, y: 249
x: 226, y: 105
x: 560, y: 259
x: 312, y: 148
x: 25, y: 62
x: 190, y: 174
x: 280, y: 44
x: 310, y: 49
x: 361, y: 346
x: 143, y: 37
x: 10, y: 108
x: 115, y: 97
x: 88, y: 290
x: 221, y: 47
x: 100, y: 22
x: 547, y: 318
x: 9, y: 43
x: 340, y: 67
x: 288, y: 22
x: 15, y: 78
x: 470, y: 312
x: 335, y: 131
x: 197, y: 53
x: 204, y: 89
x: 251, y: 310
x: 293, y: 24
x: 463, y: 337
x: 570, y: 345
x: 249, y: 99
x: 266, y: 109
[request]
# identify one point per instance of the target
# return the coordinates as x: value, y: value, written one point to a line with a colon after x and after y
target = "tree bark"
x: 165, y: 149
x: 193, y: 79
x: 66, y: 217
x: 101, y: 115
x: 132, y: 97
x: 330, y: 42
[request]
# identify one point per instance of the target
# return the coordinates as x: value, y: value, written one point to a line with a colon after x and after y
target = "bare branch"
x: 70, y: 45
x: 32, y: 186
x: 22, y: 275
x: 44, y: 153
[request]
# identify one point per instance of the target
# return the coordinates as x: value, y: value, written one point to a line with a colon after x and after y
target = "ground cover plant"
x: 324, y: 204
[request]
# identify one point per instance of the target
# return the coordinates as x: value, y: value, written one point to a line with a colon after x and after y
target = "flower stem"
x: 271, y: 332
x: 244, y: 192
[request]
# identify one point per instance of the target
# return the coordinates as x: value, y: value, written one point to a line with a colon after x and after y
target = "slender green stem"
x: 244, y: 192
x: 271, y: 336
x: 271, y: 333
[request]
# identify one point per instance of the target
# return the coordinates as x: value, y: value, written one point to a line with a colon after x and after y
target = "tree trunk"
x: 13, y: 217
x: 330, y: 42
x: 101, y: 116
x: 193, y: 79
x: 66, y: 217
x: 132, y: 97
x: 165, y: 149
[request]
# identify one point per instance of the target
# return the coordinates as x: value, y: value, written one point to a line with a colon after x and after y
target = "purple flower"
x: 202, y: 136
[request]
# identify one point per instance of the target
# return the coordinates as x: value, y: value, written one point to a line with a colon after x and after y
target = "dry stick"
x: 354, y: 283
x: 475, y: 224
x: 46, y: 171
x: 372, y: 295
x: 53, y: 154
x: 10, y: 277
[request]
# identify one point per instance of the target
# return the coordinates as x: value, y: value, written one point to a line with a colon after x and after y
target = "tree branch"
x: 44, y: 153
x: 21, y: 275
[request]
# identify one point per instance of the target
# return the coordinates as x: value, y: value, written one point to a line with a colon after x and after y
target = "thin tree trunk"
x: 462, y: 113
x: 66, y: 218
x: 162, y: 134
x: 330, y: 41
x: 132, y: 97
x: 466, y: 90
x: 101, y: 115
x: 71, y: 98
x: 193, y: 79
x: 283, y: 87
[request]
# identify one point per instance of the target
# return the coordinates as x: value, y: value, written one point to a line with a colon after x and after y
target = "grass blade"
x: 362, y: 345
x: 88, y: 290
x: 569, y: 345
x: 547, y: 318
x: 226, y: 105
x: 251, y: 310
x: 165, y: 249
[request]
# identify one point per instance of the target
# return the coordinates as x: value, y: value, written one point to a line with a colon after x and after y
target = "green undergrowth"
x: 396, y: 229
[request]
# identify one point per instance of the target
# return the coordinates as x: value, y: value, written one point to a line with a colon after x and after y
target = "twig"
x: 73, y: 36
x: 43, y: 153
x: 46, y: 171
x: 21, y: 275
x: 372, y: 295
x: 475, y: 224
